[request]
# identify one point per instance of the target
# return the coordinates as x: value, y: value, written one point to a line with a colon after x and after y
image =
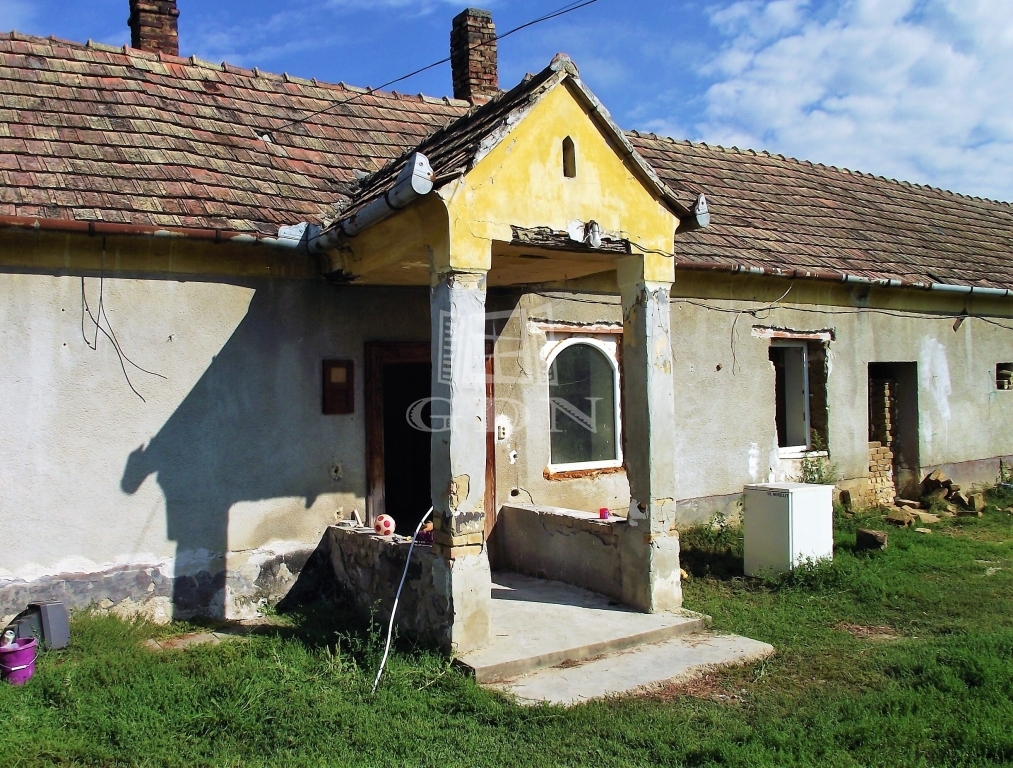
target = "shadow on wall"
x: 251, y: 429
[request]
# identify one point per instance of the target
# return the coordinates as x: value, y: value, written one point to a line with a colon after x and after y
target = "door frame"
x: 491, y: 509
x: 379, y: 354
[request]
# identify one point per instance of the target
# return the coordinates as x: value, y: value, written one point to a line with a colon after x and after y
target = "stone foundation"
x: 156, y: 592
x: 444, y: 602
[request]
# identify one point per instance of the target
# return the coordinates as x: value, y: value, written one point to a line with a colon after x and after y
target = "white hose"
x: 393, y: 611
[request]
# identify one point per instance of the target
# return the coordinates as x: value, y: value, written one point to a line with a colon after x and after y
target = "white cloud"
x: 914, y: 89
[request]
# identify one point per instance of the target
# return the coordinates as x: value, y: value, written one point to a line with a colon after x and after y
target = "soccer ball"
x: 384, y: 525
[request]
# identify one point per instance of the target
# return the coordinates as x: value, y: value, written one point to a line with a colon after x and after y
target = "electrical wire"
x: 393, y: 610
x: 97, y: 318
x: 568, y: 8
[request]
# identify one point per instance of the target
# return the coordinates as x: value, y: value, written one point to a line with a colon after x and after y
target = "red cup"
x: 603, y: 513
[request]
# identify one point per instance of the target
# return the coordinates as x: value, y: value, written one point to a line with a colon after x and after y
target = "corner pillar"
x: 650, y: 548
x: 457, y: 474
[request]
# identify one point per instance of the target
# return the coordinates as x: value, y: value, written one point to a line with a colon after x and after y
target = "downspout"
x: 414, y: 181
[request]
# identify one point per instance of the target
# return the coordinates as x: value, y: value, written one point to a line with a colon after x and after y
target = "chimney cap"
x: 477, y: 12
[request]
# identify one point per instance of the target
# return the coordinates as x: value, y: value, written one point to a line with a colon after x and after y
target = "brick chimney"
x: 153, y: 26
x: 473, y: 56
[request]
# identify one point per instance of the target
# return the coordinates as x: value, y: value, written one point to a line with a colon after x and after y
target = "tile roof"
x: 96, y: 133
x: 106, y: 136
x: 775, y: 213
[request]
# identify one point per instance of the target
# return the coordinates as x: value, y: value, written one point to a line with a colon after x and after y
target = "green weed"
x: 895, y: 658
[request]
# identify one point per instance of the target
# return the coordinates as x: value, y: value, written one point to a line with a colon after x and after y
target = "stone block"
x: 866, y: 539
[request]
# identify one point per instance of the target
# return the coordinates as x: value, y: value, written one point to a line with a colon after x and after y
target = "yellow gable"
x: 521, y: 182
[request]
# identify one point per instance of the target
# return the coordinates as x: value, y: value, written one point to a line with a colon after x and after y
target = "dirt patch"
x: 570, y: 663
x: 707, y: 687
x: 875, y: 633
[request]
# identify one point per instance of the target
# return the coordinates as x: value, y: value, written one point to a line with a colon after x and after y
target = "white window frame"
x: 552, y: 351
x: 798, y: 451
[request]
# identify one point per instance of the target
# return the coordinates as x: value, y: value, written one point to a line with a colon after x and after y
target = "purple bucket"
x: 17, y: 662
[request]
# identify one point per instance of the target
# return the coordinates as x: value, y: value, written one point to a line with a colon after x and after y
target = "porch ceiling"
x: 523, y: 264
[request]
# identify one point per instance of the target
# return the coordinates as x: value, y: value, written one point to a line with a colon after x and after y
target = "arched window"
x: 569, y: 159
x: 583, y: 407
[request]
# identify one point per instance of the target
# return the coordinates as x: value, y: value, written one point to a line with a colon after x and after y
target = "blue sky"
x: 913, y: 89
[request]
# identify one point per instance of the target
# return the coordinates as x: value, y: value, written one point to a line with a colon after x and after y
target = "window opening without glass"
x: 800, y: 390
x: 569, y: 159
x: 1004, y: 376
x: 791, y: 391
x: 583, y: 408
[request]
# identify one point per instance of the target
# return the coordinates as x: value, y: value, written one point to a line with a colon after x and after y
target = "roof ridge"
x: 232, y: 69
x: 849, y: 171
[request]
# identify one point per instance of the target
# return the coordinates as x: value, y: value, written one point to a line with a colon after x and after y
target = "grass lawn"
x: 903, y: 657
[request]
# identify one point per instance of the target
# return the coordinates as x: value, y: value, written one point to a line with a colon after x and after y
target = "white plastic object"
x: 786, y: 525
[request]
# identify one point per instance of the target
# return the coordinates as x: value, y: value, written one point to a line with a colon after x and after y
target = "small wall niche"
x: 569, y: 159
x: 1004, y: 376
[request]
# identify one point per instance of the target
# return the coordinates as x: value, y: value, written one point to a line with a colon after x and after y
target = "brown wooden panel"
x: 491, y: 508
x: 338, y: 387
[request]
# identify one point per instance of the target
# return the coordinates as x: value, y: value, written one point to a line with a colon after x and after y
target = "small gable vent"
x: 569, y: 159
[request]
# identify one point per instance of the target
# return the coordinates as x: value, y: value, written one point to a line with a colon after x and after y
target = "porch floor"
x: 538, y: 623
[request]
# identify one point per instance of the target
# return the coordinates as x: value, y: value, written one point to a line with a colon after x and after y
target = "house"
x: 238, y: 309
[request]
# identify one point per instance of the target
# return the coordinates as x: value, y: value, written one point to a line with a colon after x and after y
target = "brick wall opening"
x: 893, y: 432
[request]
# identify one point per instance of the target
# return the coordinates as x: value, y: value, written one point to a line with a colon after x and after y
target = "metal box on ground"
x: 47, y: 622
x: 785, y: 525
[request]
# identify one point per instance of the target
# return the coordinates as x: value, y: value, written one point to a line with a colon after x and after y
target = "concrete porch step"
x: 537, y: 624
x: 634, y: 670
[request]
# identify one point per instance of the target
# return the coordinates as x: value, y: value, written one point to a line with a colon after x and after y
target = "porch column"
x: 463, y: 577
x: 649, y: 549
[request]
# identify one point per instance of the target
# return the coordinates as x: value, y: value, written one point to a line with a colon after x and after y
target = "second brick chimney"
x: 153, y: 26
x: 473, y: 56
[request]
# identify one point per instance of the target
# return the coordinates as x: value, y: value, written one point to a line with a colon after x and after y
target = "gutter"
x: 414, y: 181
x: 287, y: 236
x: 839, y: 277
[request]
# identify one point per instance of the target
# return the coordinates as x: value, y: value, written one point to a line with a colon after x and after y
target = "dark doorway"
x: 406, y: 448
x: 398, y: 374
x: 893, y: 420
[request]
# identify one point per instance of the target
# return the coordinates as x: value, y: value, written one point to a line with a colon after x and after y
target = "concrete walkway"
x: 538, y: 623
x: 561, y: 644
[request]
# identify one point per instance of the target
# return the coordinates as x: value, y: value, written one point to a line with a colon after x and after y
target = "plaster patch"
x: 459, y: 489
x: 937, y: 373
x: 754, y: 461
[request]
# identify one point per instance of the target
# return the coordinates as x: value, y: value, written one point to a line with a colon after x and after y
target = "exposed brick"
x: 473, y: 56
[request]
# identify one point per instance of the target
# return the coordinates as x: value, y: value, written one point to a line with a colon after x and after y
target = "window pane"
x: 582, y: 406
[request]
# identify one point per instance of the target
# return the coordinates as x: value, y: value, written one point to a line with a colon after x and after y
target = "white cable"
x: 393, y: 611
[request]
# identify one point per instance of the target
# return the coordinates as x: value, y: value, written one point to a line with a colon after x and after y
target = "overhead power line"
x: 568, y: 8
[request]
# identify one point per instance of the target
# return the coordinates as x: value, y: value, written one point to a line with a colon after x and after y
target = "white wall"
x: 228, y: 453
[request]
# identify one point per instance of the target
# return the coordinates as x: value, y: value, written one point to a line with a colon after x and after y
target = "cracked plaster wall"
x: 207, y: 496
